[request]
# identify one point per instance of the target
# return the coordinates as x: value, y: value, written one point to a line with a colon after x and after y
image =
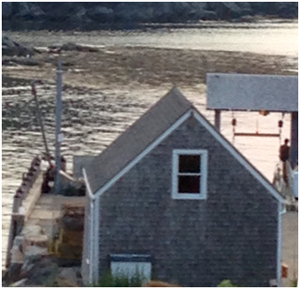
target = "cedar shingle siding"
x: 230, y: 235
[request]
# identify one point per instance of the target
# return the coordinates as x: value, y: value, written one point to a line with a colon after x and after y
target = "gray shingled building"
x: 174, y: 199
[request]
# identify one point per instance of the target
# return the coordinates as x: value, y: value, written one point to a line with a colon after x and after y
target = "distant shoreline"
x: 220, y: 23
x: 31, y: 25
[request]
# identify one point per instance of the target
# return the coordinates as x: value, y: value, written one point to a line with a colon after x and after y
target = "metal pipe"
x: 256, y: 134
x: 58, y: 127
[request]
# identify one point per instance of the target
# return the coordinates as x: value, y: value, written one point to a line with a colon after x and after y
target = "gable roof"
x: 137, y: 138
x: 147, y: 132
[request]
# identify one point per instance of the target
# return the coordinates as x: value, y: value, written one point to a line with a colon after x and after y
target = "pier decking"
x: 48, y: 210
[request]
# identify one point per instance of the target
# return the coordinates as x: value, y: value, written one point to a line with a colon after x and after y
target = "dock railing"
x: 18, y: 210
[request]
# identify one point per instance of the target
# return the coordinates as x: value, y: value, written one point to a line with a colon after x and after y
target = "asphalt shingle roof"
x: 136, y: 138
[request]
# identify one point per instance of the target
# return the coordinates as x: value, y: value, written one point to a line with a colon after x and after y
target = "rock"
x: 247, y: 19
x: 67, y: 273
x: 32, y: 230
x: 182, y: 8
x: 58, y: 11
x: 246, y: 7
x: 280, y: 9
x: 67, y: 277
x: 20, y: 283
x: 6, y: 10
x: 232, y: 10
x: 199, y: 5
x: 23, y: 9
x: 17, y: 250
x: 80, y: 13
x: 13, y: 273
x: 36, y: 11
x: 21, y: 61
x: 30, y: 10
x: 125, y: 13
x: 13, y: 48
x: 101, y: 14
x: 286, y: 10
x: 16, y: 260
x: 206, y: 15
x: 226, y: 10
x: 66, y: 283
x: 70, y: 46
x: 42, y: 273
x: 32, y: 255
x: 179, y: 10
x: 76, y: 19
x: 161, y: 12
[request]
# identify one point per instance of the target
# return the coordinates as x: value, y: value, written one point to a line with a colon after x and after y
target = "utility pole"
x: 58, y: 135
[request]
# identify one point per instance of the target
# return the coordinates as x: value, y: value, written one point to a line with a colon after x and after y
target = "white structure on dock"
x: 245, y: 92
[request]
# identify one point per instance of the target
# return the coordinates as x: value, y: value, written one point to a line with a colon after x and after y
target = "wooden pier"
x: 32, y: 210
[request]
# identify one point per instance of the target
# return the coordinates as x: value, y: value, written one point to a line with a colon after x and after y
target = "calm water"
x: 93, y: 118
x: 266, y: 38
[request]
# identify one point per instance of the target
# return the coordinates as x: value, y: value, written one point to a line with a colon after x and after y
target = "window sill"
x: 189, y: 197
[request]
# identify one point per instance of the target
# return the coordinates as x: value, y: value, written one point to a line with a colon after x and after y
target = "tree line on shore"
x: 123, y: 15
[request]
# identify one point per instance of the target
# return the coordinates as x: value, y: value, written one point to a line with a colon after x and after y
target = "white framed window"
x: 189, y: 174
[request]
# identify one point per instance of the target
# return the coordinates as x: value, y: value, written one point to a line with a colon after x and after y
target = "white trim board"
x: 281, y: 211
x: 93, y: 274
x: 203, y: 174
x: 97, y: 239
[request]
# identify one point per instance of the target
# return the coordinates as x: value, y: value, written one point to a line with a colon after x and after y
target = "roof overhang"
x: 246, y: 92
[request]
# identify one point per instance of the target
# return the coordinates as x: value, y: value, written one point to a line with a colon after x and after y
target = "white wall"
x: 130, y: 269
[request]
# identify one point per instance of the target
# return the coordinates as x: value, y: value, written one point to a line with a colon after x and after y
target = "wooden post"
x: 39, y: 116
x: 58, y: 128
x: 218, y: 119
x: 294, y: 139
